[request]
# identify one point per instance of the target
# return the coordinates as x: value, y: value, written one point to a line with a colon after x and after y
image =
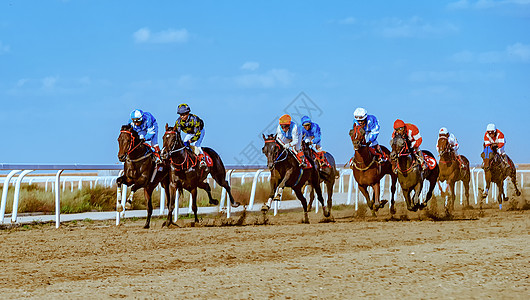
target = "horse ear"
x: 166, y: 126
x: 275, y: 135
x: 264, y: 138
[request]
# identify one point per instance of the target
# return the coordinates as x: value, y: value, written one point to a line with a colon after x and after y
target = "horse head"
x: 128, y: 140
x: 489, y: 156
x: 400, y: 146
x: 357, y: 137
x: 271, y: 149
x: 171, y: 141
x: 443, y: 146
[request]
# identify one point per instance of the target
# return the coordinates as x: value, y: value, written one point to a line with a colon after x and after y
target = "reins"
x: 187, y: 160
x: 131, y: 148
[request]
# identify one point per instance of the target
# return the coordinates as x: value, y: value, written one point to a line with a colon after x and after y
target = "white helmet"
x: 136, y: 115
x: 360, y: 114
x: 443, y: 130
x: 491, y: 127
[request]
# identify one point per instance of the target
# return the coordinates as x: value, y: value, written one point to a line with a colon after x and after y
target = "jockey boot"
x: 157, y: 154
x: 381, y: 157
x: 421, y: 159
x: 301, y: 160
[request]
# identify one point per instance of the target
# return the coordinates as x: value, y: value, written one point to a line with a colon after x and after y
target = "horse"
x: 410, y: 172
x: 452, y: 172
x: 328, y: 173
x: 139, y: 169
x: 286, y: 172
x: 368, y: 172
x: 185, y: 172
x: 495, y: 170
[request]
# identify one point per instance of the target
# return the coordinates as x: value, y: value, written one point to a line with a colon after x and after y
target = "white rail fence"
x: 346, y: 186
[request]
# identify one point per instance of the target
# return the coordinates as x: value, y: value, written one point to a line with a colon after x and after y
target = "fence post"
x: 57, y: 199
x: 253, y: 191
x: 5, y: 188
x: 17, y: 194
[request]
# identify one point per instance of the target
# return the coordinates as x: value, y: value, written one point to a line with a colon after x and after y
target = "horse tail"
x: 218, y: 168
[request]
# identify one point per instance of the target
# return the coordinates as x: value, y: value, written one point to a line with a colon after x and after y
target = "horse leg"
x: 417, y: 195
x: 432, y: 185
x: 205, y: 186
x: 393, y: 192
x: 451, y: 199
x: 513, y: 177
x: 466, y: 192
x: 194, y: 203
x: 408, y: 200
x: 318, y: 190
x: 119, y: 182
x: 148, y: 192
x: 369, y: 202
x: 378, y: 203
x: 128, y: 202
x: 281, y: 186
x: 273, y: 184
x: 170, y: 195
x: 223, y: 183
x: 300, y: 196
x: 329, y: 187
x: 311, y: 197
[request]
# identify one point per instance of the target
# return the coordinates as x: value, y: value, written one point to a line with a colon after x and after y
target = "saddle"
x: 320, y: 157
x: 299, y: 157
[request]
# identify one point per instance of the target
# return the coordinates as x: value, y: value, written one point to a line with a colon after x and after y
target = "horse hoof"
x: 236, y: 204
x: 382, y: 204
x: 214, y: 202
x: 119, y: 208
x: 392, y: 210
x: 146, y: 226
x: 128, y: 206
x: 518, y: 193
x: 265, y: 208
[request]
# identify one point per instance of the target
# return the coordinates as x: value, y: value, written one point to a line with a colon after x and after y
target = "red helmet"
x: 398, y: 124
x: 285, y: 120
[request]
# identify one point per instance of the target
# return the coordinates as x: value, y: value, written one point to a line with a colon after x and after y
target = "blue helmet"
x: 183, y: 109
x: 306, y: 120
x: 136, y: 115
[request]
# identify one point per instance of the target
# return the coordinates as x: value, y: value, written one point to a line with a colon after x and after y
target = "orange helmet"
x: 285, y: 120
x: 398, y: 124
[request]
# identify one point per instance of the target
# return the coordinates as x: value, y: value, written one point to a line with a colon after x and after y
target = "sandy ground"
x: 481, y: 254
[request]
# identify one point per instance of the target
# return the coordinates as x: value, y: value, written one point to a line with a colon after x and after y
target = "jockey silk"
x: 193, y: 125
x: 292, y: 137
x: 313, y: 133
x: 148, y: 128
x: 372, y: 130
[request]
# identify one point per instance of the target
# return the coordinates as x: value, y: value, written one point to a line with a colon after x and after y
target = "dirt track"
x: 352, y: 257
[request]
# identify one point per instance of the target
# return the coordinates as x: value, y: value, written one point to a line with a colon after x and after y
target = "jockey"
x: 145, y: 124
x: 453, y: 143
x: 494, y: 138
x: 311, y: 132
x: 371, y: 127
x: 412, y: 133
x: 288, y: 133
x: 193, y: 127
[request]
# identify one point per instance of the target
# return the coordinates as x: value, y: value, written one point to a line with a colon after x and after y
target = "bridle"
x: 131, y: 148
x: 280, y: 157
x: 405, y: 151
x: 187, y: 160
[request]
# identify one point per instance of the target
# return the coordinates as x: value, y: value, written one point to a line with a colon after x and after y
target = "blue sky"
x: 72, y: 71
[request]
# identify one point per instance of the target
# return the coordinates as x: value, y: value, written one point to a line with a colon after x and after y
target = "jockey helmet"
x: 183, y: 109
x: 285, y: 120
x: 443, y: 130
x: 136, y: 115
x: 491, y: 127
x: 398, y: 124
x: 360, y: 114
x: 306, y: 120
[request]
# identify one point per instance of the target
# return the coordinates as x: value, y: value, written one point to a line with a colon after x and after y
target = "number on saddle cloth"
x: 429, y: 160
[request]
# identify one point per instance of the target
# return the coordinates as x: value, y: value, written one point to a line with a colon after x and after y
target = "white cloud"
x: 144, y: 35
x: 270, y: 79
x: 4, y: 48
x: 347, y: 21
x: 250, y: 65
x: 454, y: 76
x: 485, y: 4
x: 49, y: 82
x: 51, y: 85
x: 517, y: 52
x: 413, y: 27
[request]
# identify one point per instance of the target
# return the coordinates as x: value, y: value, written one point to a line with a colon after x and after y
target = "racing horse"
x: 286, y: 172
x: 452, y: 172
x: 328, y: 173
x: 185, y: 172
x: 410, y: 172
x: 496, y: 170
x: 368, y: 172
x: 139, y: 169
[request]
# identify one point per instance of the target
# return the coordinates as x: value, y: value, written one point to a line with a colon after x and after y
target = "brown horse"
x: 368, y: 172
x: 186, y: 173
x: 496, y: 170
x: 451, y: 171
x: 410, y: 172
x: 139, y: 169
x: 286, y: 172
x: 328, y: 174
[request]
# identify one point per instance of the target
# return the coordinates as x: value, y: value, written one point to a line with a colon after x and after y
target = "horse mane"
x: 128, y: 127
